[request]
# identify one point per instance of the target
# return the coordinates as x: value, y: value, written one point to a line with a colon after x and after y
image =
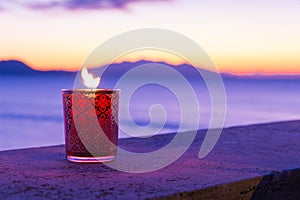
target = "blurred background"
x: 254, y: 44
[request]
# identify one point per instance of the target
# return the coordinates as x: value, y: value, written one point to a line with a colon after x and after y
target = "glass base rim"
x: 101, y: 159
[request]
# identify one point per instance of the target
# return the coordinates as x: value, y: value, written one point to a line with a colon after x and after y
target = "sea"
x: 31, y: 113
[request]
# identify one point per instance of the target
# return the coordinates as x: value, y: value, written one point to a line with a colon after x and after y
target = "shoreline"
x: 258, y: 161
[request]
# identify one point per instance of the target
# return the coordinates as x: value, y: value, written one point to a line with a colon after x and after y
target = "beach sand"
x: 259, y: 161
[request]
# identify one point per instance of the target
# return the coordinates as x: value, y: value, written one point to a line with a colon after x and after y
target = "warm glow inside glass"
x: 91, y: 124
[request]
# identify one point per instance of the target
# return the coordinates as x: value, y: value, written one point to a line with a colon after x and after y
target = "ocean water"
x: 31, y: 107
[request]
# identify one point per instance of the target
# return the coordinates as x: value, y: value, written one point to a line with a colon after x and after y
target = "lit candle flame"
x: 88, y: 79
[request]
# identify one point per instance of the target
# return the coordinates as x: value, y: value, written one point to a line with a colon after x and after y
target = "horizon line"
x: 229, y: 73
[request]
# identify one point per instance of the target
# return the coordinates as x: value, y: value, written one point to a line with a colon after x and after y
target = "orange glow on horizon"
x: 248, y: 64
x: 225, y: 65
x: 151, y: 55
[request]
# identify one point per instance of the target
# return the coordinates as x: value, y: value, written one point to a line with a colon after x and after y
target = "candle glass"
x: 91, y: 124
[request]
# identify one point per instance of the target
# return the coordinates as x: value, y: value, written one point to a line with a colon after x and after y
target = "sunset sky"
x: 246, y: 36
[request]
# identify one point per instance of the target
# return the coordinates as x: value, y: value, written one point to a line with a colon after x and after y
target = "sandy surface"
x: 265, y: 155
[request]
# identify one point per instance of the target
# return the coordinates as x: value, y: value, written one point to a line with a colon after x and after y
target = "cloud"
x: 73, y: 4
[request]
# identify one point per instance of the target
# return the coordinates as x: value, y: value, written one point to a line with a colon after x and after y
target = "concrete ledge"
x: 258, y: 161
x: 277, y: 185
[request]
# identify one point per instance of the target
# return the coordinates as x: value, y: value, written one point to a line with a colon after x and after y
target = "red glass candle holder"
x: 91, y: 124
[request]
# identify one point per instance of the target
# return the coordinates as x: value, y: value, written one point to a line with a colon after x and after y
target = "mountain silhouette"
x: 116, y: 70
x: 113, y: 71
x: 15, y: 67
x: 18, y: 68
